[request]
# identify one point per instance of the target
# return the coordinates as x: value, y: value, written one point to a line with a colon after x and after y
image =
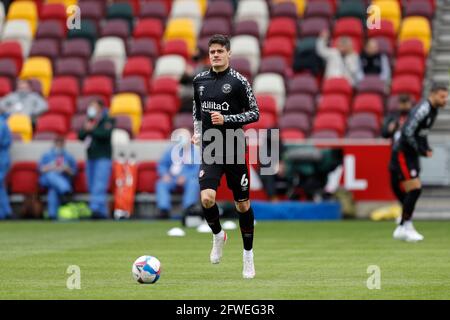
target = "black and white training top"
x: 227, y: 92
x: 414, y: 134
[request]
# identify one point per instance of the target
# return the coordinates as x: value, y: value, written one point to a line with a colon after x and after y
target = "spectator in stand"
x: 57, y: 168
x: 24, y: 100
x: 96, y: 134
x: 372, y: 62
x: 341, y: 61
x: 5, y: 143
x: 178, y: 169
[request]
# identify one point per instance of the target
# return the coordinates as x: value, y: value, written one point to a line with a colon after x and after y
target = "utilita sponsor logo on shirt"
x: 211, y: 105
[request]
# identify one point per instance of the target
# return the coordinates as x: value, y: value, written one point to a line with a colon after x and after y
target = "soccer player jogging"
x: 224, y: 102
x: 413, y: 143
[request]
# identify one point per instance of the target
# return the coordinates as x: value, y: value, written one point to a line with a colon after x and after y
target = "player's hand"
x: 217, y: 118
x: 429, y: 154
x: 195, y: 139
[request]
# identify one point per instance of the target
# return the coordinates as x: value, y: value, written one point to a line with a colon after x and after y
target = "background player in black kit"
x: 413, y: 143
x: 224, y: 101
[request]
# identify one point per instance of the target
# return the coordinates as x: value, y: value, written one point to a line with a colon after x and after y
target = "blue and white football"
x: 146, y: 269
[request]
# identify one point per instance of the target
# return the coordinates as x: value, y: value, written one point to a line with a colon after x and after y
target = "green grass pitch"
x: 294, y: 260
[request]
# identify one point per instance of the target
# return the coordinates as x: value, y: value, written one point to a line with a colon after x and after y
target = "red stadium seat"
x: 299, y: 102
x: 411, y: 47
x: 267, y: 104
x: 291, y: 134
x: 52, y: 123
x: 62, y: 105
x: 364, y: 121
x: 325, y: 134
x: 54, y: 11
x: 165, y: 85
x: 282, y: 27
x: 5, y: 86
x: 305, y: 84
x: 337, y: 86
x: 336, y: 103
x: 12, y: 50
x: 139, y: 66
x: 409, y: 65
x: 98, y: 85
x: 23, y: 177
x: 330, y: 121
x: 147, y: 175
x: 386, y: 31
x: 67, y: 86
x: 298, y: 121
x: 351, y: 27
x: 161, y: 103
x: 369, y: 102
x: 80, y: 181
x: 279, y: 46
x: 157, y: 121
x: 178, y: 47
x: 407, y: 84
x: 149, y: 28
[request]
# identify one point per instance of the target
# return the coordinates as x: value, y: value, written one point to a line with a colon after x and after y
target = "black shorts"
x: 404, y: 165
x: 238, y: 178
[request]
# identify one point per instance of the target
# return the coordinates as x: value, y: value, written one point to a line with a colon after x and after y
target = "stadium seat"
x: 80, y: 180
x: 266, y: 121
x: 128, y: 104
x: 246, y: 47
x: 412, y: 47
x: 352, y: 8
x: 360, y: 134
x: 282, y: 27
x: 299, y: 103
x: 20, y: 31
x: 124, y: 123
x: 270, y: 84
x: 412, y: 65
x: 111, y: 48
x: 149, y: 28
x: 295, y: 120
x: 393, y: 103
x: 12, y: 50
x: 8, y: 69
x: 24, y: 10
x: 416, y: 28
x: 188, y: 9
x: 267, y: 104
x: 120, y: 10
x: 279, y: 46
x: 103, y: 68
x: 165, y: 85
x: 77, y: 48
x: 419, y: 8
x: 143, y: 48
x: 98, y: 85
x: 157, y: 121
x: 139, y: 66
x: 254, y: 10
x: 65, y: 86
x: 151, y: 135
x: 84, y: 101
x: 364, y: 121
x: 48, y: 48
x: 5, y: 86
x: 54, y: 124
x: 304, y: 83
x: 291, y: 135
x: 299, y: 5
x: 350, y: 27
x: 170, y: 66
x: 162, y: 103
x: 153, y: 10
x: 182, y: 29
x: 274, y: 64
x: 247, y: 27
x: 329, y: 134
x: 39, y: 68
x: 330, y: 121
x: 321, y: 9
x: 386, y: 30
x: 74, y: 67
x: 312, y: 27
x: 93, y: 12
x: 54, y: 11
x: 66, y: 3
x: 133, y: 84
x: 386, y: 47
x: 115, y: 28
x: 371, y: 84
x: 407, y: 84
x: 337, y: 86
x: 183, y: 120
x: 369, y: 102
x: 147, y: 177
x: 213, y: 26
x: 21, y: 124
x: 219, y: 9
x: 87, y: 31
x: 50, y: 29
x: 61, y: 105
x: 390, y: 10
x: 242, y: 65
x: 176, y: 47
x: 336, y: 103
x: 23, y: 177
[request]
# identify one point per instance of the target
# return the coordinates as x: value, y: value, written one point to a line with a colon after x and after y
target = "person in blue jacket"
x: 57, y: 168
x: 178, y: 169
x: 5, y: 162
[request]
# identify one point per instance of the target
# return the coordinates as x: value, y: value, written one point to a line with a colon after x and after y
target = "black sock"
x: 246, y: 222
x: 212, y: 217
x: 409, y: 203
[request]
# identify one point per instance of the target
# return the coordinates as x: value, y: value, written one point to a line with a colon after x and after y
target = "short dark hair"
x: 438, y: 86
x: 221, y: 39
x: 404, y: 98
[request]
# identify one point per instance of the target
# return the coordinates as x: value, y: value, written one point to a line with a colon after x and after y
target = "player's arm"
x: 389, y: 126
x: 411, y: 126
x: 251, y: 113
x: 196, y: 115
